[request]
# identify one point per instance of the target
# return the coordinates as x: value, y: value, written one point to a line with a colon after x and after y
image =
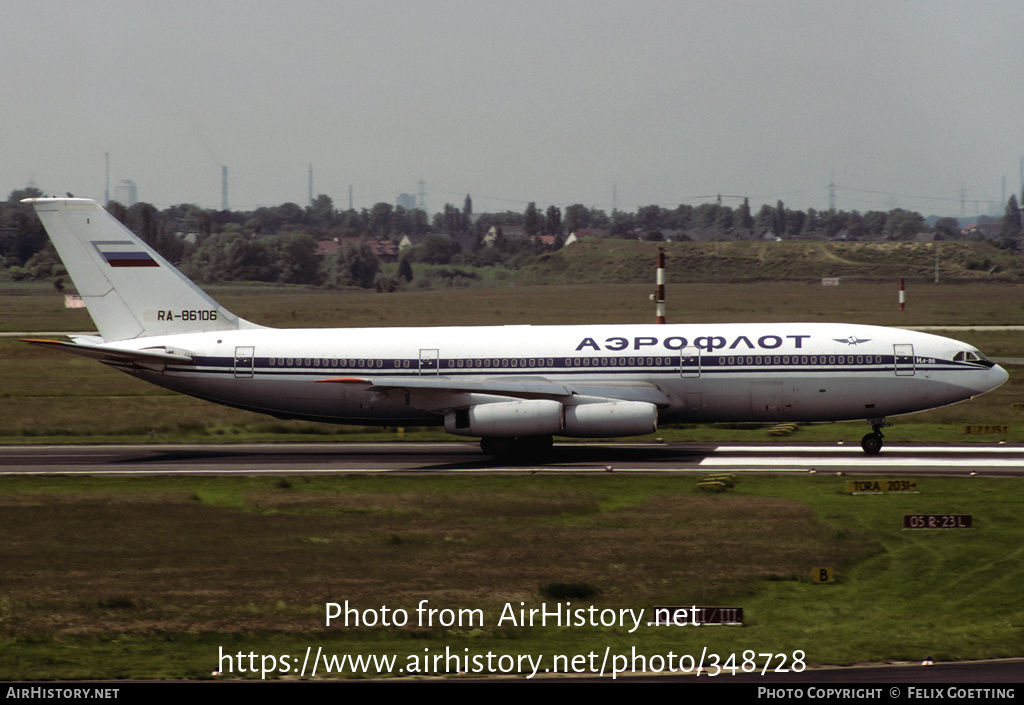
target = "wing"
x: 440, y: 393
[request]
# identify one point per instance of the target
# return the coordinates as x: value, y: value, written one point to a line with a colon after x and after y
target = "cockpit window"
x: 972, y: 356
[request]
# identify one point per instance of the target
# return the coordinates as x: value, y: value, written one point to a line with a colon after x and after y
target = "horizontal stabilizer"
x: 116, y: 355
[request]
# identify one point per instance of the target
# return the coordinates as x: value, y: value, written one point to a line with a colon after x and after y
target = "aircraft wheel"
x: 871, y: 443
x: 493, y: 445
x: 534, y: 445
x: 523, y: 446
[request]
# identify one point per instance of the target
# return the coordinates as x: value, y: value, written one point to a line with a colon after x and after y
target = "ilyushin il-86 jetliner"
x: 515, y: 387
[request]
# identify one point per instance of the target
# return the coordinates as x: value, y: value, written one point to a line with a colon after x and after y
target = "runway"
x: 411, y: 457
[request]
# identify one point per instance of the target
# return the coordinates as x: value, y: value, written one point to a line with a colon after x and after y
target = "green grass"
x: 36, y: 308
x: 148, y: 577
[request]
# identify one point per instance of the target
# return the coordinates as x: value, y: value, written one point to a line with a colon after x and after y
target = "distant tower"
x: 421, y: 195
x: 832, y: 194
x: 224, y: 188
x: 126, y: 193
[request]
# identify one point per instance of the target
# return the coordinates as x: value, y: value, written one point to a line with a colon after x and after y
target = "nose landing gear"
x: 872, y: 443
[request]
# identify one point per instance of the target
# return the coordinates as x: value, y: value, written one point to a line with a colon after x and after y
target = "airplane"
x: 515, y: 387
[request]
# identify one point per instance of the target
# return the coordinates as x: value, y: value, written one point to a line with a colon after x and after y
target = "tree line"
x: 280, y: 243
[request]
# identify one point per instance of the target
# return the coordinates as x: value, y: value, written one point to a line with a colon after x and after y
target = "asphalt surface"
x: 408, y: 457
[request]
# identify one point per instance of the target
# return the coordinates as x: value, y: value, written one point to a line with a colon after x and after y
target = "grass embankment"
x: 148, y: 577
x: 614, y: 260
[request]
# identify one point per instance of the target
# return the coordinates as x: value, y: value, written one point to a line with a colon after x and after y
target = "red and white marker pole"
x: 659, y: 291
x: 903, y: 301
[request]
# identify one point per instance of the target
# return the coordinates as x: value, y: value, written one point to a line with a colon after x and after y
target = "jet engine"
x: 545, y: 417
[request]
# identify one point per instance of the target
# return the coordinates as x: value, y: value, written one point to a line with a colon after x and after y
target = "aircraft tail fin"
x: 129, y: 289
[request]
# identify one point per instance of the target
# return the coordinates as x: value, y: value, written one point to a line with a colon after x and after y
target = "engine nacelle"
x: 616, y: 418
x: 532, y: 417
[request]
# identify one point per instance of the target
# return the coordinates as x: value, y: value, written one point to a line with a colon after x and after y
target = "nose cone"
x: 995, y: 377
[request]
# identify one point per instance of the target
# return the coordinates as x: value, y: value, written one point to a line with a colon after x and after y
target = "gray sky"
x: 516, y: 101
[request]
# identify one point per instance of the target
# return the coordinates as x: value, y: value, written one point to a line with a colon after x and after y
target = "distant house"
x: 985, y: 230
x: 408, y: 241
x: 384, y: 250
x: 585, y: 234
x: 512, y: 232
x: 326, y: 248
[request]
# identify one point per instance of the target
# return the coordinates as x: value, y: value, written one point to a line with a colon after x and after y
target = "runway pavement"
x: 407, y: 457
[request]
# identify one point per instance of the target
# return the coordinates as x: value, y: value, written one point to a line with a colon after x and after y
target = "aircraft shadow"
x: 586, y: 457
x: 397, y: 458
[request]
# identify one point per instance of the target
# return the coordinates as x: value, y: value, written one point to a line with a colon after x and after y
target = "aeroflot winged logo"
x: 852, y: 340
x: 124, y: 253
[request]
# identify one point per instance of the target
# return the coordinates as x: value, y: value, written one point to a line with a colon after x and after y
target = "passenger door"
x: 903, y: 359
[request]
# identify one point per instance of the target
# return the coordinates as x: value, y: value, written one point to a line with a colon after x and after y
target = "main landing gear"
x: 518, y: 446
x: 872, y: 443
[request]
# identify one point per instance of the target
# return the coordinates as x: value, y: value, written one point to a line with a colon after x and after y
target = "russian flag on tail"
x: 125, y: 253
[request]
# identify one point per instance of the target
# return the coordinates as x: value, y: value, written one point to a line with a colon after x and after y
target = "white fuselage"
x: 691, y: 373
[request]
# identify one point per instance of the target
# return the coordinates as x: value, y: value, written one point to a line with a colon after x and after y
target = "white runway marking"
x: 870, y: 462
x: 853, y: 449
x: 804, y: 458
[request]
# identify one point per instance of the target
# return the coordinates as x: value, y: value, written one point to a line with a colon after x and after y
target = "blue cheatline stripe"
x: 405, y: 367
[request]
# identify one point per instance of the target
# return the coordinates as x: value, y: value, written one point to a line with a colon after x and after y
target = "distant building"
x: 987, y: 231
x: 406, y: 201
x: 384, y: 250
x: 126, y: 193
x: 411, y: 240
x: 510, y: 232
x: 326, y: 248
x: 586, y: 234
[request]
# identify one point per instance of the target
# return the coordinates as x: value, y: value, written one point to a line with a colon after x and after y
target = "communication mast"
x: 224, y: 188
